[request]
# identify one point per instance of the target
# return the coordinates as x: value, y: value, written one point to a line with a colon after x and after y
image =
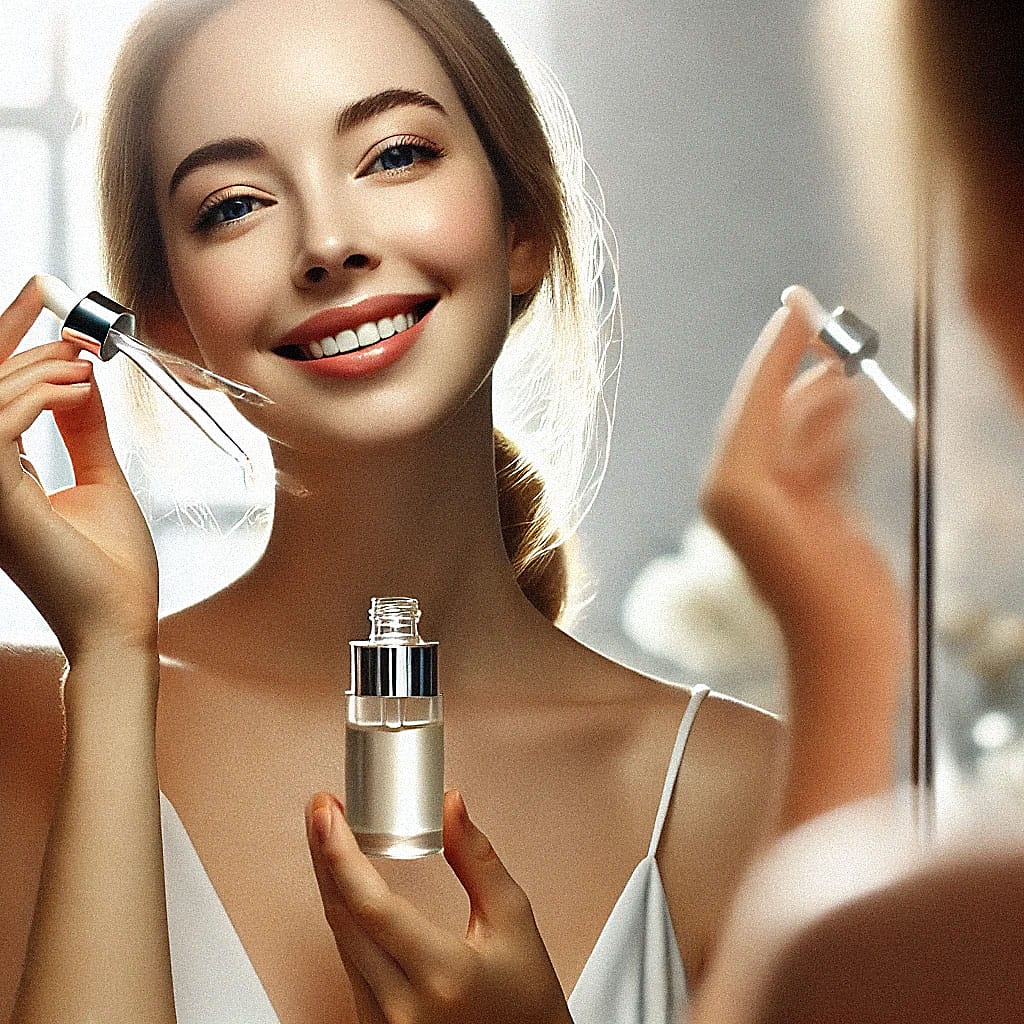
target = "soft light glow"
x: 213, y: 523
x: 24, y: 212
x: 26, y: 42
x: 992, y: 730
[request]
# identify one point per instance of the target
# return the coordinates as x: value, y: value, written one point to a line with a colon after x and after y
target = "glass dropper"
x: 853, y: 341
x: 105, y: 328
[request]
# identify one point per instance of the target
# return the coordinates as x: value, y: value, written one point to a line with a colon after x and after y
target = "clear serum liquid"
x: 394, y: 737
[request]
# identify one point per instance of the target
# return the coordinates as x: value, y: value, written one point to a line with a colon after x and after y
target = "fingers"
x: 351, y: 898
x: 82, y: 423
x: 368, y: 1010
x: 817, y: 446
x: 770, y: 367
x: 494, y: 897
x: 19, y: 375
x: 83, y: 426
x: 19, y: 316
x: 18, y: 415
x: 51, y: 350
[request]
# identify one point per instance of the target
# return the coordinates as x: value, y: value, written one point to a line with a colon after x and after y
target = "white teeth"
x: 367, y: 334
x: 347, y: 341
x: 364, y: 335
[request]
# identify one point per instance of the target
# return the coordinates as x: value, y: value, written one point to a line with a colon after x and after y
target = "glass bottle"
x: 394, y: 736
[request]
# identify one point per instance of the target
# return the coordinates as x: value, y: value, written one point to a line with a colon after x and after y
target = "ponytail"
x: 538, y: 560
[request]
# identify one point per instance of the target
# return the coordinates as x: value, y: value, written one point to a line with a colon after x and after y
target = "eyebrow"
x: 369, y: 107
x: 216, y: 152
x: 349, y: 117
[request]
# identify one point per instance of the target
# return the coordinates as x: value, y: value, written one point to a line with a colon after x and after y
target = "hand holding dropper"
x: 104, y: 327
x: 854, y: 341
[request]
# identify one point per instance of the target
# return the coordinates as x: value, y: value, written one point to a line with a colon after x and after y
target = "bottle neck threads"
x: 395, y: 620
x: 395, y: 661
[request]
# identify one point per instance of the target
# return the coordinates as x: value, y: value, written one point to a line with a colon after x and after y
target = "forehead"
x: 280, y: 67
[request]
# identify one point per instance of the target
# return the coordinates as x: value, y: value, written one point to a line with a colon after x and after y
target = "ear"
x: 527, y: 258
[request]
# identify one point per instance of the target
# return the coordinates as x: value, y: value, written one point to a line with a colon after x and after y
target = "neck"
x: 418, y: 520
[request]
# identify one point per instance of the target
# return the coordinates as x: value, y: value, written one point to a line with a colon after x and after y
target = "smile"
x: 361, y: 336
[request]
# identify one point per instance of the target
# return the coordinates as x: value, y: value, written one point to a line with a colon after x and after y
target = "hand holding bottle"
x: 402, y: 967
x: 83, y: 555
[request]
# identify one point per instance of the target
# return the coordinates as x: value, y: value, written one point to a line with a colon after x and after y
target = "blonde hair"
x: 555, y: 380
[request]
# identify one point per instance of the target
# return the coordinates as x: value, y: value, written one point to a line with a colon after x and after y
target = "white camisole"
x: 633, y: 976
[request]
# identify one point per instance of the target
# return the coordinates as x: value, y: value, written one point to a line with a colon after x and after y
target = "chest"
x: 570, y: 820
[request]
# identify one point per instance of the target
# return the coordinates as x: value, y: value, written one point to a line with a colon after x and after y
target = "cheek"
x: 460, y: 227
x: 218, y: 293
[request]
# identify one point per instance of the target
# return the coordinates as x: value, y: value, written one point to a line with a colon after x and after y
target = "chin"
x: 396, y: 424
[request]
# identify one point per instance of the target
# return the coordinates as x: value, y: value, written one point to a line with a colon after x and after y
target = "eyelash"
x: 424, y: 151
x: 206, y: 222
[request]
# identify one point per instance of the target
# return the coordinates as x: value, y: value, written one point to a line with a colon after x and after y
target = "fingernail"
x: 323, y: 816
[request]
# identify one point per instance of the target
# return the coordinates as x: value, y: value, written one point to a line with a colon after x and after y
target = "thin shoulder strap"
x: 696, y: 696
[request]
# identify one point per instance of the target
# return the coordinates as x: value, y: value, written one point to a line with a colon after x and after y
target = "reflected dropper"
x: 104, y: 327
x: 853, y: 341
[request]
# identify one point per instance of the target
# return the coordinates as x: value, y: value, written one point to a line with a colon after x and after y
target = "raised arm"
x: 775, y: 489
x: 98, y: 948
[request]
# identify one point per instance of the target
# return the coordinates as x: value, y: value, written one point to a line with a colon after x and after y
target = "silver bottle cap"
x: 850, y: 338
x: 395, y: 661
x: 92, y: 320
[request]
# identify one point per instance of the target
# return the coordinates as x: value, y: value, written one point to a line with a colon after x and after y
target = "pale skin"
x: 545, y: 738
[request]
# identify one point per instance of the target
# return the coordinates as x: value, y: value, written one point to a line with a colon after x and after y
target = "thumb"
x: 495, y: 900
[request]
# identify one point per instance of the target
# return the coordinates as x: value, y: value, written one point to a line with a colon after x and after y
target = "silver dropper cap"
x: 91, y: 321
x: 395, y: 661
x: 850, y: 338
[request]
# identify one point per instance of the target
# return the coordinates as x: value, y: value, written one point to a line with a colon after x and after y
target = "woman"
x: 271, y: 172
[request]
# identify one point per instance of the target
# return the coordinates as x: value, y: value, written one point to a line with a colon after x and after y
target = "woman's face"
x: 319, y: 186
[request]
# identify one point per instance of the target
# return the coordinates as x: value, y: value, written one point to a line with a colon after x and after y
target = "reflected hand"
x: 84, y: 555
x: 404, y: 968
x: 776, y: 490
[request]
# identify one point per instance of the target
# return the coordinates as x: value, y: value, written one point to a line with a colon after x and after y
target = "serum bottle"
x: 394, y: 736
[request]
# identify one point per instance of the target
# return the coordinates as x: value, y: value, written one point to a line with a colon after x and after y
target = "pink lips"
x: 365, y: 361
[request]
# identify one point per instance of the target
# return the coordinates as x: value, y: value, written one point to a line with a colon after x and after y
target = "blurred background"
x: 738, y: 154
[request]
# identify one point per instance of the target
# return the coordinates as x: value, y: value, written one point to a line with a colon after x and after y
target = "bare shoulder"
x: 31, y: 726
x: 724, y: 803
x: 730, y: 740
x: 724, y: 809
x: 31, y: 745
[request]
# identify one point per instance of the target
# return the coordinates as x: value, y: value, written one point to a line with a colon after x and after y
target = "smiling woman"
x: 271, y: 196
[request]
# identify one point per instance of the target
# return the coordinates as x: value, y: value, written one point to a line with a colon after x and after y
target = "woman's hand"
x: 402, y: 967
x: 84, y: 555
x: 776, y: 490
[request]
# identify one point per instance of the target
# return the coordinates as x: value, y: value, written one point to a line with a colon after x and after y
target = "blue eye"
x: 401, y: 156
x: 227, y: 211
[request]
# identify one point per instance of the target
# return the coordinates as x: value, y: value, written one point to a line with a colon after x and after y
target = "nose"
x: 332, y: 248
